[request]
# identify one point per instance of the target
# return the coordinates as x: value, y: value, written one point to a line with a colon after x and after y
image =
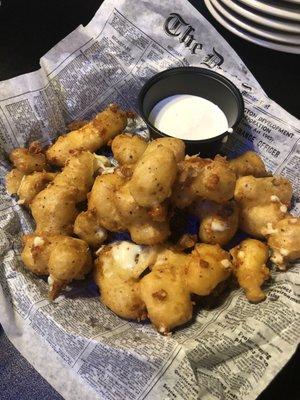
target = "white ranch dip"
x: 188, y: 117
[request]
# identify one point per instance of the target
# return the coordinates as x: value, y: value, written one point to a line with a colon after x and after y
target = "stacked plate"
x: 273, y: 24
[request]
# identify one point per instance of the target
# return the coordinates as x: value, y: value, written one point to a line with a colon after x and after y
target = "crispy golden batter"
x: 114, y: 209
x: 249, y: 260
x: 29, y: 160
x: 254, y: 219
x: 154, y: 174
x: 102, y: 201
x: 253, y: 191
x: 249, y: 163
x: 32, y: 184
x: 203, y: 178
x: 54, y: 208
x: 177, y: 146
x: 69, y: 259
x: 143, y: 227
x: 166, y: 297
x: 261, y: 201
x: 113, y: 203
x: 163, y: 294
x: 105, y: 126
x: 128, y: 148
x: 208, y: 266
x: 61, y: 257
x: 150, y: 278
x: 29, y: 175
x: 284, y: 241
x: 117, y: 273
x: 36, y: 252
x: 86, y: 227
x: 218, y: 222
x: 215, y: 182
x: 78, y: 173
x: 13, y: 180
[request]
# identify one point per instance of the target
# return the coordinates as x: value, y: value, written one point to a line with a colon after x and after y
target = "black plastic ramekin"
x: 198, y: 82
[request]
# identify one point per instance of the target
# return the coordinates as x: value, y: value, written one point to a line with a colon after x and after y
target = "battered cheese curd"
x: 190, y: 117
x: 126, y: 255
x: 131, y: 257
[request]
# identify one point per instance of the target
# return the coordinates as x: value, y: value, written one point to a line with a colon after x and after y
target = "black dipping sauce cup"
x: 198, y: 82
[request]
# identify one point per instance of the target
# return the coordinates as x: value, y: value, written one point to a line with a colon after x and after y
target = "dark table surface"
x: 30, y: 28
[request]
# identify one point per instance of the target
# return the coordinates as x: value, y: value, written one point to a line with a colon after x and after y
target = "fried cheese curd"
x: 50, y: 250
x: 249, y: 267
x: 248, y: 163
x: 209, y: 265
x: 112, y: 207
x: 13, y: 181
x: 137, y: 282
x: 26, y: 187
x: 32, y: 184
x: 27, y: 161
x: 128, y: 148
x: 54, y: 208
x: 284, y: 241
x: 166, y: 297
x: 93, y: 135
x: 149, y: 278
x: 63, y: 258
x: 261, y: 202
x: 218, y: 222
x: 203, y: 178
x: 53, y: 198
x: 116, y: 205
x: 155, y: 172
x: 117, y: 273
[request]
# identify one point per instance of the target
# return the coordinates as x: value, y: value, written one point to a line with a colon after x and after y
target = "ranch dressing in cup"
x: 188, y: 117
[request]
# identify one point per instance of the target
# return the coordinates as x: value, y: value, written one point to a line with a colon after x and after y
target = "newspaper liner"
x: 82, y: 349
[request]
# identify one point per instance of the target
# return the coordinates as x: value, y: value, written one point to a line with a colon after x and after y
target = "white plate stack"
x: 273, y: 24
